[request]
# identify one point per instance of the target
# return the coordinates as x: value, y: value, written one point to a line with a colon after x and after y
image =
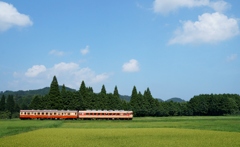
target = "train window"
x: 28, y: 113
x: 38, y: 113
x: 42, y: 113
x: 86, y: 113
x: 55, y: 113
x: 68, y: 113
x: 102, y: 113
x: 46, y: 113
x: 24, y: 112
x: 94, y: 113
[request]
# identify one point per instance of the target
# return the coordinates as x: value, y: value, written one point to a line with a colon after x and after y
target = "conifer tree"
x: 103, y: 99
x: 64, y: 97
x: 150, y: 103
x: 134, y: 101
x: 84, y: 95
x: 54, y: 100
x: 2, y: 103
x: 103, y: 90
x: 116, y: 102
x: 35, y: 103
x: 10, y: 105
x: 115, y: 93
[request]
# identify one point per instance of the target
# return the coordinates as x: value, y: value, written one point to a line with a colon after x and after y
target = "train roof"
x: 89, y: 111
x: 104, y: 111
x: 48, y: 110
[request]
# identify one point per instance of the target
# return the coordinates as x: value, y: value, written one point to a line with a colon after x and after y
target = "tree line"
x: 141, y: 104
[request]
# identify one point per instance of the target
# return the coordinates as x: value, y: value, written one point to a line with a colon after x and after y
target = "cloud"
x: 219, y: 6
x: 85, y: 50
x: 232, y: 57
x: 9, y: 17
x: 70, y: 74
x: 35, y: 70
x: 167, y: 6
x: 56, y: 53
x: 65, y: 66
x: 208, y: 29
x: 131, y: 66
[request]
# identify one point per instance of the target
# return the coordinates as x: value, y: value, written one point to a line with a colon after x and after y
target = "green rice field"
x: 140, y: 132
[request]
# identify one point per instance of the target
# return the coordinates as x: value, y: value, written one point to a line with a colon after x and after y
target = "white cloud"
x: 219, y: 6
x: 85, y: 50
x: 65, y: 66
x: 232, y: 57
x: 208, y: 29
x: 70, y: 74
x: 131, y: 66
x: 167, y: 6
x: 100, y: 78
x: 56, y: 53
x: 35, y: 70
x: 9, y: 17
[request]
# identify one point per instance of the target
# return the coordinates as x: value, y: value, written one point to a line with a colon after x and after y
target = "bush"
x: 4, y: 114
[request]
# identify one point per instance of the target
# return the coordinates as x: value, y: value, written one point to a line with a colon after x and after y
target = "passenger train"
x: 74, y: 114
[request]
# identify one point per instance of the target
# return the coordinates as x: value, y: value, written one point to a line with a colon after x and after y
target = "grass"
x: 130, y: 137
x: 16, y: 126
x: 147, y: 131
x: 222, y: 123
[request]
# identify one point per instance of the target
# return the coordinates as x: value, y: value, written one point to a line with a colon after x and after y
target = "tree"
x: 103, y: 90
x: 116, y: 102
x: 35, y: 103
x: 103, y: 99
x: 115, y: 92
x: 64, y: 98
x: 16, y: 107
x: 84, y: 92
x: 54, y: 100
x: 134, y: 101
x: 2, y: 103
x: 10, y: 105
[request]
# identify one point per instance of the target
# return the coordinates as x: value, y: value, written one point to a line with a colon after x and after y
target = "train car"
x: 105, y: 114
x: 48, y: 114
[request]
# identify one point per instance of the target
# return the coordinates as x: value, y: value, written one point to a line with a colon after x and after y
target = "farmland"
x: 148, y: 131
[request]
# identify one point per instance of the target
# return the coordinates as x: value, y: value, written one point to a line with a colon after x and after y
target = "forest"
x: 141, y: 104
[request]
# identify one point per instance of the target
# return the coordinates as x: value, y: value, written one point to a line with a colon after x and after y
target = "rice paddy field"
x: 141, y: 132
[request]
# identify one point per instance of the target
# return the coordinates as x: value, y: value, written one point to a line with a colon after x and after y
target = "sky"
x: 176, y: 48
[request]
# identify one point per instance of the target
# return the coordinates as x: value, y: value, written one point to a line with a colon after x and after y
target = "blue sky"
x: 176, y: 48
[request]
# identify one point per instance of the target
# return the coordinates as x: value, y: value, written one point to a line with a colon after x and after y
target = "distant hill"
x: 160, y: 100
x: 125, y: 97
x: 45, y: 90
x: 42, y: 91
x: 176, y: 99
x: 128, y: 98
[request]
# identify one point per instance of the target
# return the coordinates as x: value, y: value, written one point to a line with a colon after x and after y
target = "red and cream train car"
x: 106, y: 114
x: 74, y: 114
x: 48, y: 114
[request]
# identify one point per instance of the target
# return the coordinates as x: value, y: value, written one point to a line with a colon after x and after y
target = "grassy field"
x: 149, y: 131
